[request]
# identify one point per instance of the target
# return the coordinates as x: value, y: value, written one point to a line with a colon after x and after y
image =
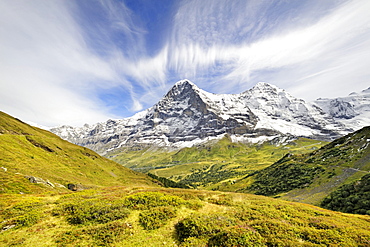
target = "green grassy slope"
x: 30, y: 151
x: 123, y: 216
x: 312, y: 176
x: 214, y: 165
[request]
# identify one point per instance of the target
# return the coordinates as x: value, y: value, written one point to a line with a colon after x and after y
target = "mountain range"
x: 188, y: 115
x: 111, y: 205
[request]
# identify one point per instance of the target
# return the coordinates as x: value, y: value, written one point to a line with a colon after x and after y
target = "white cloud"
x: 47, y: 71
x: 56, y: 62
x: 331, y: 48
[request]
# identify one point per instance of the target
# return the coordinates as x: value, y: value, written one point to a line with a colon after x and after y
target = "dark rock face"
x: 76, y: 187
x: 342, y: 109
x: 184, y: 105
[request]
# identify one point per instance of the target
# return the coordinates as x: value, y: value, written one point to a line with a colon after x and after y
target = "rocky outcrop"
x: 77, y: 187
x: 37, y: 180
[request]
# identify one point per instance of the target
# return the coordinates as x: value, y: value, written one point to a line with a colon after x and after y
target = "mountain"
x: 35, y: 160
x: 312, y: 176
x: 353, y: 111
x: 123, y: 208
x: 187, y: 115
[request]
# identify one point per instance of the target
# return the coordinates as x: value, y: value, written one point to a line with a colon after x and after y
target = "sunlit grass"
x: 29, y: 151
x: 212, y: 216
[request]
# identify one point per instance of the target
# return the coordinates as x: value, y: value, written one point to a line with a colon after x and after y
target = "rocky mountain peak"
x: 188, y: 115
x: 182, y: 88
x: 184, y: 95
x: 267, y: 90
x: 265, y: 86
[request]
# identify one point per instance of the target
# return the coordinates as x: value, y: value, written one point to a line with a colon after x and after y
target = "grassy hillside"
x: 122, y: 216
x: 214, y: 165
x: 124, y: 208
x: 312, y: 176
x: 29, y: 151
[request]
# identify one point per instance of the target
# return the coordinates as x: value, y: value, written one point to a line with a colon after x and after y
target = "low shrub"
x: 225, y: 200
x: 97, y: 235
x: 23, y: 207
x: 147, y: 200
x: 106, y: 234
x: 154, y: 219
x: 273, y: 231
x: 71, y: 238
x: 194, y: 242
x: 28, y: 219
x: 236, y: 236
x: 194, y: 204
x: 92, y: 211
x: 201, y: 226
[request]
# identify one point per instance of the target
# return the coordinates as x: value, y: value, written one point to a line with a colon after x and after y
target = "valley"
x: 237, y: 181
x: 211, y: 165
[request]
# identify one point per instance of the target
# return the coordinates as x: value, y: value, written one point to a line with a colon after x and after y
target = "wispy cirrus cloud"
x: 84, y: 61
x: 273, y: 48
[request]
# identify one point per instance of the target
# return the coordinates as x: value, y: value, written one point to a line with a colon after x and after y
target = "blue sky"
x: 75, y: 62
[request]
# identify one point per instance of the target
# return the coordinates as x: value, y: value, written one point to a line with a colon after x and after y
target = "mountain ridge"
x: 188, y: 115
x: 309, y: 177
x: 35, y: 160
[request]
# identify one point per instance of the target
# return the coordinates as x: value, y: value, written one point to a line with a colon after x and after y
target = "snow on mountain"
x: 353, y: 111
x: 188, y: 115
x: 279, y: 110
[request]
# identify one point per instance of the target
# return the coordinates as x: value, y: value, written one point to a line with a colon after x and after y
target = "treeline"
x: 215, y: 174
x: 350, y: 198
x: 170, y: 183
x: 283, y: 177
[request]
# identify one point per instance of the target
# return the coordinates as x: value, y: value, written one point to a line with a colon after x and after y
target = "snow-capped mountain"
x: 353, y: 111
x: 187, y: 115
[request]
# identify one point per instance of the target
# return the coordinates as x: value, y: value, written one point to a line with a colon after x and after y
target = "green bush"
x: 225, y: 200
x: 156, y: 218
x: 275, y: 232
x: 236, y: 236
x: 24, y: 213
x: 147, y: 200
x: 201, y: 226
x: 28, y: 219
x: 106, y: 234
x: 92, y: 211
x: 97, y: 235
x: 23, y: 207
x: 194, y: 242
x: 194, y: 204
